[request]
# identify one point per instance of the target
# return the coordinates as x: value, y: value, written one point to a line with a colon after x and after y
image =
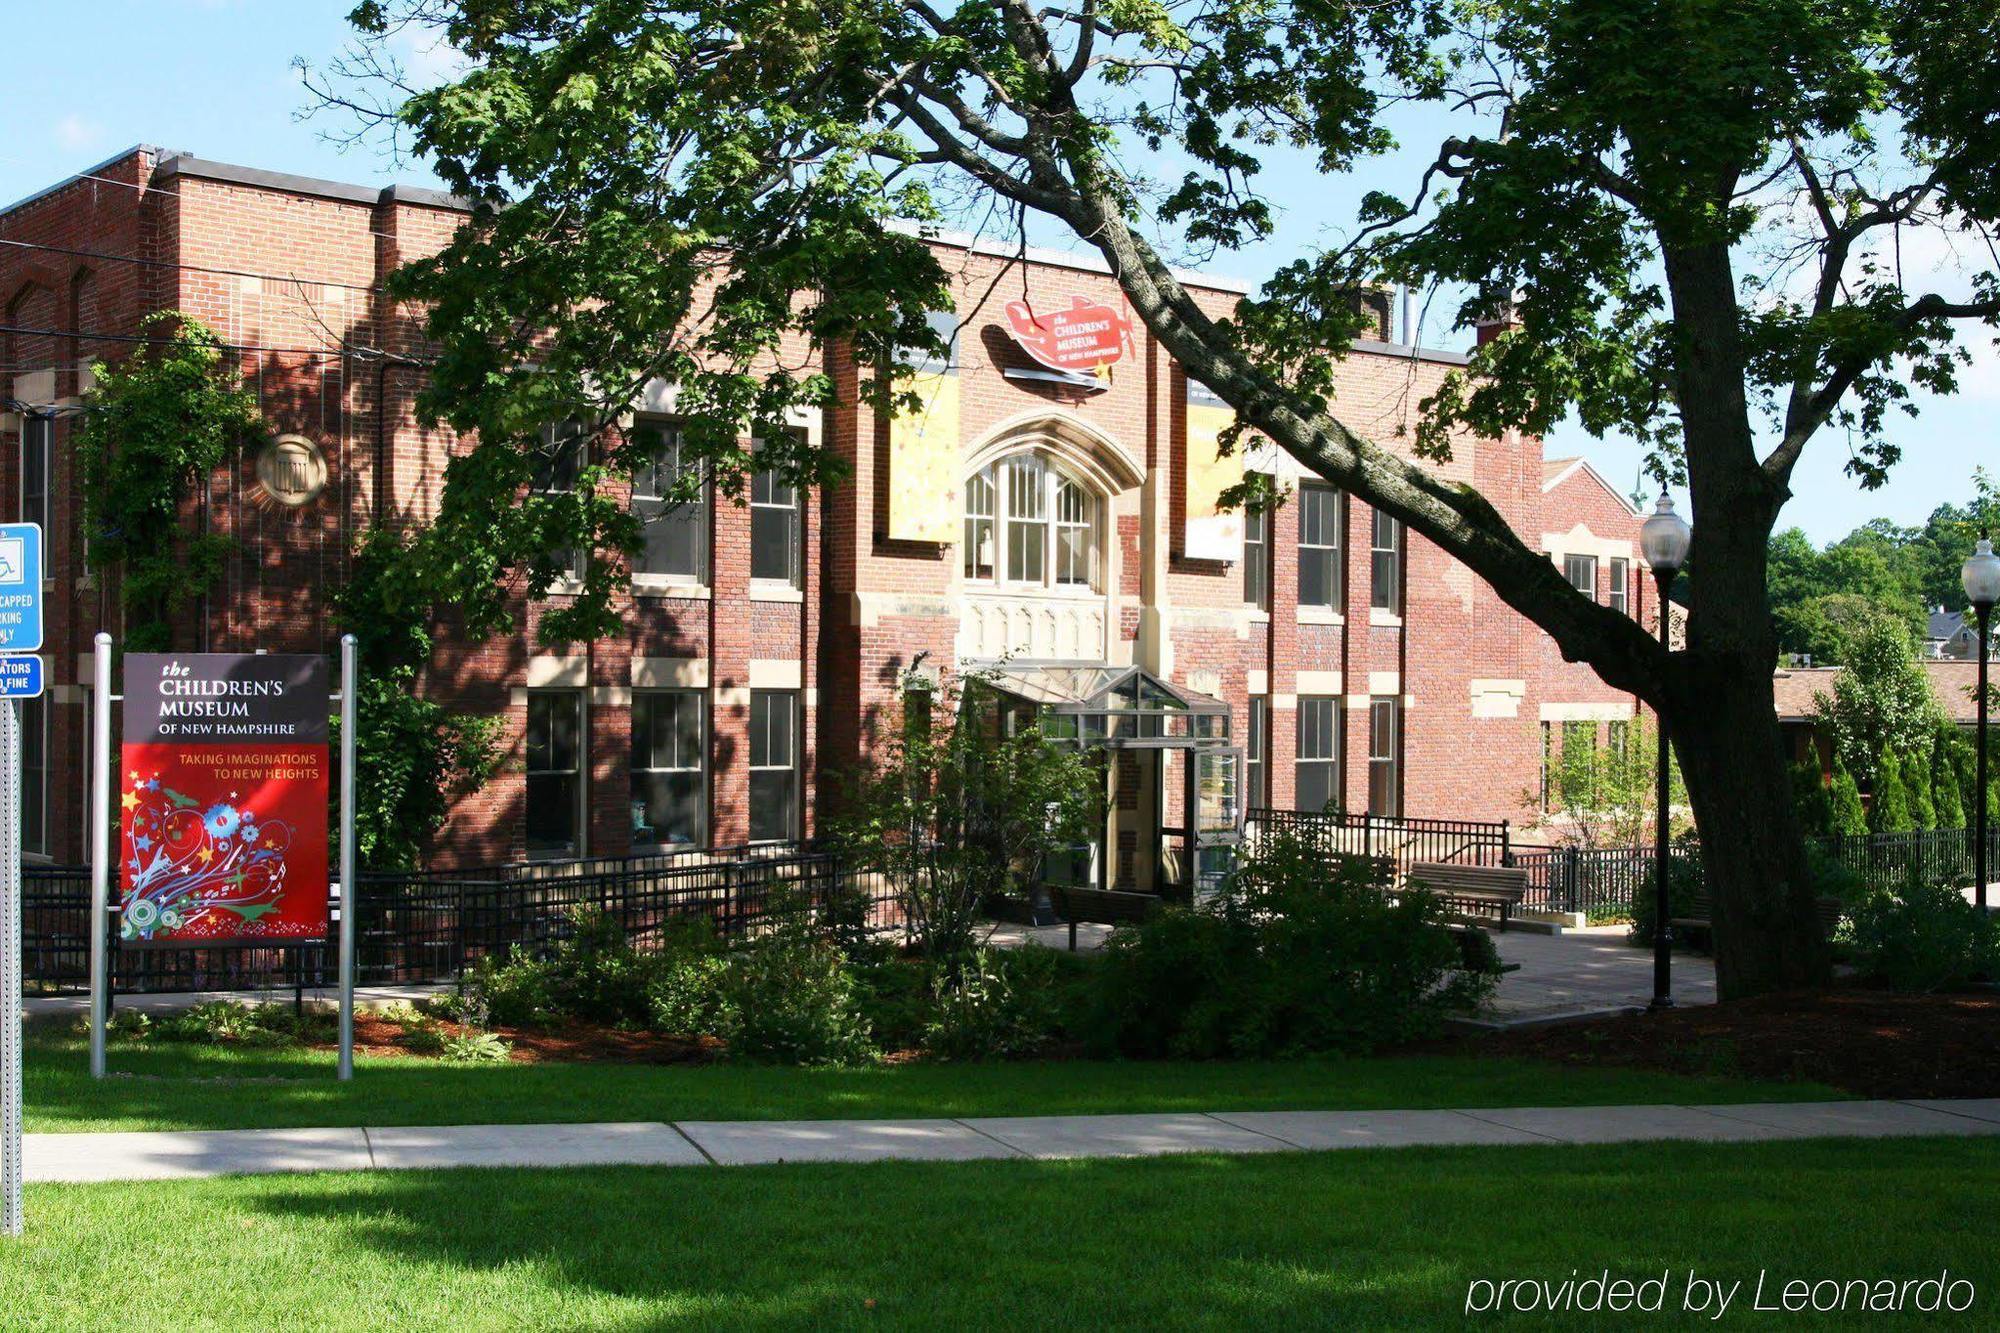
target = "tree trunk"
x: 1719, y: 703
x: 1767, y: 932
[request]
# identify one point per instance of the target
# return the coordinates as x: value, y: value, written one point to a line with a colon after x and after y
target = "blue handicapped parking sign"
x: 20, y: 587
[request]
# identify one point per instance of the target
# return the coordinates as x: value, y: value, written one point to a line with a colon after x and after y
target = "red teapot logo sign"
x: 1082, y: 339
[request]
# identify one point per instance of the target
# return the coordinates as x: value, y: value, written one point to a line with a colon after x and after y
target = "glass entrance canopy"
x: 1117, y: 707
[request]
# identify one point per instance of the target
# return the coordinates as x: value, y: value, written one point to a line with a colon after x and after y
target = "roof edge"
x: 86, y: 174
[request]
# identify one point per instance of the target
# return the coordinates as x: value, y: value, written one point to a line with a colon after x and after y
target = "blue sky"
x: 214, y: 77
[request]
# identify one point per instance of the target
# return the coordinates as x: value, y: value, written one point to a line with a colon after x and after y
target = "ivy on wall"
x: 156, y: 425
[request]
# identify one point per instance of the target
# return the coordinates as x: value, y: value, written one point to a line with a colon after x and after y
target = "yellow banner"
x: 923, y: 464
x: 1213, y: 533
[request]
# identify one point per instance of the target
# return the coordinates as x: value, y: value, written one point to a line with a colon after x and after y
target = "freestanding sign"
x: 20, y: 587
x: 222, y: 799
x: 20, y: 678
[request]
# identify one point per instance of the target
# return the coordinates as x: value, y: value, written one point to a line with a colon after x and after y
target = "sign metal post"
x: 349, y: 678
x: 100, y: 845
x: 20, y: 678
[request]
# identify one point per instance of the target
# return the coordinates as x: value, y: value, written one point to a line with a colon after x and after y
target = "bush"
x: 1293, y: 956
x: 515, y: 993
x: 475, y: 1048
x: 996, y: 1004
x: 1923, y: 938
x: 793, y: 1000
x: 231, y: 1023
x: 1684, y: 884
x: 594, y: 975
x: 689, y: 995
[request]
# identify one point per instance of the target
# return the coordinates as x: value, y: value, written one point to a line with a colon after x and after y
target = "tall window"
x: 1027, y: 523
x: 982, y: 509
x: 1257, y: 558
x: 1621, y: 573
x: 1319, y: 546
x: 35, y: 775
x: 1385, y: 564
x: 774, y: 765
x: 557, y: 466
x: 668, y: 790
x: 1073, y: 532
x: 555, y: 773
x: 774, y: 529
x: 37, y: 439
x: 1385, y: 779
x: 1318, y: 774
x: 670, y: 498
x: 1581, y: 571
x: 1256, y: 791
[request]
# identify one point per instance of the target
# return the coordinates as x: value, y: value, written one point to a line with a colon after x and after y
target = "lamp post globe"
x: 1663, y: 541
x: 1980, y: 577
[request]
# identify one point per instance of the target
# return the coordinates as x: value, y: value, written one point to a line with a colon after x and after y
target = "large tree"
x: 1688, y: 210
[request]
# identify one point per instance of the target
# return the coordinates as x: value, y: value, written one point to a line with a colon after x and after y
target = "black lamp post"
x: 1663, y: 540
x: 1981, y: 577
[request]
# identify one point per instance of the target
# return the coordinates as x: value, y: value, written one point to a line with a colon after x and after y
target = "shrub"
x: 689, y: 995
x: 1292, y: 956
x: 1850, y: 817
x: 792, y: 999
x: 231, y: 1023
x: 514, y: 993
x: 1684, y: 885
x: 995, y: 1004
x: 475, y: 1047
x: 1922, y: 938
x: 1890, y: 812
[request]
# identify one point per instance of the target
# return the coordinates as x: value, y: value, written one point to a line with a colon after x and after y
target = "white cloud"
x: 73, y: 133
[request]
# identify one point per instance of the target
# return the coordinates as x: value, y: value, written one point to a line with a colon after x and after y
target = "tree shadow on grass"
x: 1187, y: 1241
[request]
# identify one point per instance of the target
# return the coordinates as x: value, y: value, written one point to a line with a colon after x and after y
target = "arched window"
x: 1027, y: 523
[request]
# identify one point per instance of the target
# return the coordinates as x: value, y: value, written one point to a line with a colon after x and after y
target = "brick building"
x: 1038, y: 519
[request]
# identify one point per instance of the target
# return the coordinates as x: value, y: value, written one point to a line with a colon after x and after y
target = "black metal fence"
x: 1603, y: 881
x: 431, y: 925
x: 1403, y: 841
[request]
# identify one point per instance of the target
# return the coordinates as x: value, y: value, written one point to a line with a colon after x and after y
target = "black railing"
x: 1597, y: 881
x: 1403, y: 841
x: 1605, y: 881
x: 422, y: 926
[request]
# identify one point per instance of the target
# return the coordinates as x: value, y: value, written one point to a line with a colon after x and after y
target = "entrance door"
x: 1132, y: 821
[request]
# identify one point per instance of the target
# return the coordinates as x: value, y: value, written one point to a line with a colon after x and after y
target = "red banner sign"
x: 222, y: 799
x: 1084, y: 338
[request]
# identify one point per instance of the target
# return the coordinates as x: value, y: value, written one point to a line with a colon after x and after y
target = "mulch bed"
x: 1869, y: 1042
x: 572, y: 1044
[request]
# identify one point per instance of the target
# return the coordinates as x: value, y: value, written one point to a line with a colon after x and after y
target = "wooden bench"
x: 1476, y: 891
x: 1701, y: 914
x: 1105, y: 906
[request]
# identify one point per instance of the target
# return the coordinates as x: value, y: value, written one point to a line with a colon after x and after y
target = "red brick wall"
x: 871, y: 607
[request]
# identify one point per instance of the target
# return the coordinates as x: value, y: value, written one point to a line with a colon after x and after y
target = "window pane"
x: 1319, y: 546
x: 1256, y: 559
x: 1316, y: 787
x: 37, y: 436
x: 552, y: 813
x: 1386, y: 564
x: 1620, y: 572
x: 773, y: 805
x: 671, y: 505
x: 773, y: 543
x: 1384, y: 783
x: 667, y: 809
x: 1025, y: 551
x: 1581, y: 571
x: 34, y: 774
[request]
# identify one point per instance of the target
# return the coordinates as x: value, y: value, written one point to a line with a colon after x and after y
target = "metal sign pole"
x: 350, y: 677
x: 10, y: 966
x: 100, y: 845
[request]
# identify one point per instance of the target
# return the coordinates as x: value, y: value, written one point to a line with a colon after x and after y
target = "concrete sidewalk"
x: 163, y: 1156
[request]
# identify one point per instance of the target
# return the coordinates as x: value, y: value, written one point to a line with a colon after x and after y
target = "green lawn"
x: 175, y: 1086
x: 1356, y: 1239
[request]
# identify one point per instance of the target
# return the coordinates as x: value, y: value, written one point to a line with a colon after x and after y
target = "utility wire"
x: 185, y: 268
